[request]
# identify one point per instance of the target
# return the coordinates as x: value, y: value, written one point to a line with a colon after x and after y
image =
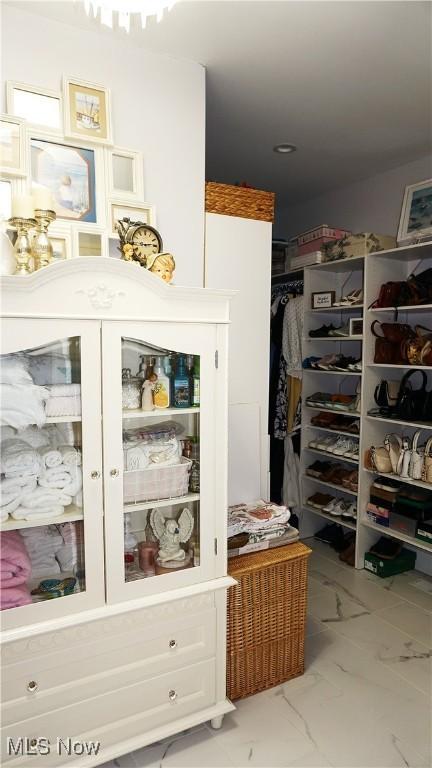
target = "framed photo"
x: 124, y: 173
x: 38, y: 106
x: 69, y: 171
x: 87, y: 111
x: 118, y: 209
x: 356, y: 326
x: 416, y: 217
x: 12, y: 146
x: 323, y: 299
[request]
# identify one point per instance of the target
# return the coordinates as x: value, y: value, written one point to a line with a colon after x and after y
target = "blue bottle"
x: 181, y: 384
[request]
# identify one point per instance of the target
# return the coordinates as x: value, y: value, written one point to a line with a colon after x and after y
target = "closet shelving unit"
x: 376, y: 268
x: 341, y: 277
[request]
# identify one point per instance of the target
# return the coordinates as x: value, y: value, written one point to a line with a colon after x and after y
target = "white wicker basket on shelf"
x: 157, y: 482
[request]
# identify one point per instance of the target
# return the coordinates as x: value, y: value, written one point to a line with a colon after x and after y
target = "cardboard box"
x: 358, y: 245
x: 403, y: 524
x: 424, y: 532
x: 323, y: 231
x: 298, y: 262
x: 404, y: 561
x: 378, y: 515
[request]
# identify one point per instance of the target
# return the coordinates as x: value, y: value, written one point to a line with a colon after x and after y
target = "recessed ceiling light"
x: 285, y: 149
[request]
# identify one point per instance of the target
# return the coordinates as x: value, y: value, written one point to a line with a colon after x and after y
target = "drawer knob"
x: 172, y: 644
x: 114, y: 473
x: 32, y: 686
x: 172, y: 695
x: 95, y: 475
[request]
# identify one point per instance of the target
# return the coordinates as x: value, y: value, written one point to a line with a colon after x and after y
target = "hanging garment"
x: 291, y: 480
x: 294, y: 403
x: 292, y: 335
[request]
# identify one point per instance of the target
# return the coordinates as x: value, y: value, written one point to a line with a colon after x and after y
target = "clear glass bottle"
x: 131, y: 390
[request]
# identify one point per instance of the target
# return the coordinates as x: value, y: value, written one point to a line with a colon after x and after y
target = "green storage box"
x: 405, y: 561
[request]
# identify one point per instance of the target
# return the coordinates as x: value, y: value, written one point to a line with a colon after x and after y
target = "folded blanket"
x: 42, y: 498
x: 37, y: 438
x: 14, y: 370
x: 50, y: 457
x: 22, y: 405
x: 18, y: 458
x: 63, y: 406
x: 64, y: 390
x: 13, y: 597
x: 68, y: 479
x: 71, y: 456
x: 14, y: 560
x: 143, y: 455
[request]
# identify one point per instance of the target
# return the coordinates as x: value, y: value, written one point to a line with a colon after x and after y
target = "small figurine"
x: 170, y: 534
x: 128, y: 252
x: 162, y: 265
x: 148, y: 389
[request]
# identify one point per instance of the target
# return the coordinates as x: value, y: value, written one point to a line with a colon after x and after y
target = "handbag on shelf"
x: 413, y: 404
x: 427, y: 462
x: 379, y: 458
x: 416, y: 458
x: 420, y: 287
x: 390, y: 347
x: 392, y: 294
x: 417, y: 349
x: 394, y: 446
x: 386, y: 395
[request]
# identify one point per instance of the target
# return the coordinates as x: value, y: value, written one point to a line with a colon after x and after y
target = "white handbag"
x: 415, y: 470
x: 403, y: 464
x: 393, y: 444
x: 427, y: 462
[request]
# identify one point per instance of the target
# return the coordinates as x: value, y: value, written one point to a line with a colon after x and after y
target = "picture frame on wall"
x: 124, y: 173
x: 416, y: 216
x: 120, y: 209
x: 87, y: 111
x: 41, y: 107
x: 62, y: 245
x: 71, y: 171
x: 12, y: 146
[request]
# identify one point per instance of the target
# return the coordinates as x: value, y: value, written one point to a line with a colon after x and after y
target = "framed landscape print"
x: 69, y: 172
x: 416, y: 217
x: 87, y: 111
x: 12, y: 146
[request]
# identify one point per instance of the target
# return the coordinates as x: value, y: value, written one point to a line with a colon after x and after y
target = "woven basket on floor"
x: 239, y: 201
x: 266, y: 619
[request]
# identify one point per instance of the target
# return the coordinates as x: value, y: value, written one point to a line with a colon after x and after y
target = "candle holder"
x: 42, y: 249
x: 22, y: 247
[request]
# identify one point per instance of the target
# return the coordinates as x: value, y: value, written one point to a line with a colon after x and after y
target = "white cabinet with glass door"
x: 115, y: 405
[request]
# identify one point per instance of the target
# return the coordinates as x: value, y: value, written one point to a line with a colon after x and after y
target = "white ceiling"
x: 348, y: 82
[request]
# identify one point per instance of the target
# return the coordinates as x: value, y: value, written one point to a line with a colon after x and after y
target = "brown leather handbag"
x: 391, y: 346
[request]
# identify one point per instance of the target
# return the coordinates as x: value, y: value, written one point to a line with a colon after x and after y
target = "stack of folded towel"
x: 15, y: 569
x: 63, y: 400
x: 147, y: 447
x: 42, y: 543
x: 22, y: 400
x: 38, y: 484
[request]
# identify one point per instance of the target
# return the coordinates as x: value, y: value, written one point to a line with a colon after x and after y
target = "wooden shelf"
x: 405, y: 480
x: 62, y: 419
x: 339, y: 488
x: 158, y: 412
x: 340, y: 265
x: 392, y: 534
x: 332, y: 518
x: 333, y: 338
x: 70, y: 514
x: 345, y: 308
x: 142, y: 505
x: 406, y: 252
x: 335, y: 373
x: 332, y: 455
x: 406, y: 308
x: 400, y: 367
x: 334, y: 432
x: 396, y: 422
x: 336, y: 411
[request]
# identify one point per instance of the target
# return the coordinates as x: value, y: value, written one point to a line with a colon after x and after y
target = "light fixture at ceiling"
x: 284, y: 149
x: 123, y: 10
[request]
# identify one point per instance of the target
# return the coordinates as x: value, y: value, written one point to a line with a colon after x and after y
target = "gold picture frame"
x: 87, y: 111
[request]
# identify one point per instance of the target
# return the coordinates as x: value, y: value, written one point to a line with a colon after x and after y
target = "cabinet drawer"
x: 77, y: 673
x: 119, y: 714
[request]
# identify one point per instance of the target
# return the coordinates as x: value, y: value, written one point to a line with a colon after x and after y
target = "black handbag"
x: 414, y: 404
x: 386, y: 395
x: 420, y: 287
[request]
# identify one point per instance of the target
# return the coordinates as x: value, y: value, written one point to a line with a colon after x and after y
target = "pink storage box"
x: 157, y: 483
x: 323, y: 231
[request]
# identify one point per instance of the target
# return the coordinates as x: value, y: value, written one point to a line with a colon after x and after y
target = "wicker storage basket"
x: 266, y: 619
x: 239, y: 201
x: 157, y: 482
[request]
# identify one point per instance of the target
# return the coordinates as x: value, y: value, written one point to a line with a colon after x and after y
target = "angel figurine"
x: 170, y: 534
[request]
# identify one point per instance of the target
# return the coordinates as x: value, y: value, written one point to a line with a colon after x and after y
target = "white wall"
x: 158, y: 106
x: 371, y: 205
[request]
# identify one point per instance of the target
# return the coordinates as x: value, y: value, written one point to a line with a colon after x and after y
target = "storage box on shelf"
x: 380, y: 268
x: 339, y: 279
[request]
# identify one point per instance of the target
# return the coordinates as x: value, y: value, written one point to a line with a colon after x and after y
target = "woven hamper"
x: 245, y: 202
x: 266, y: 619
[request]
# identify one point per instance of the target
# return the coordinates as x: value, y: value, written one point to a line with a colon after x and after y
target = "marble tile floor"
x: 363, y: 702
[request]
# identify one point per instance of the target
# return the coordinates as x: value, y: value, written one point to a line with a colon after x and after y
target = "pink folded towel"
x: 15, y: 567
x: 13, y: 597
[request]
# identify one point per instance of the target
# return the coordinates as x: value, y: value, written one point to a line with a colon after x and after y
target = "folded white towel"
x: 69, y: 479
x: 71, y: 456
x: 18, y: 458
x: 22, y: 405
x: 78, y: 499
x: 12, y: 489
x: 37, y: 513
x: 51, y: 457
x: 63, y: 406
x: 37, y: 438
x: 64, y: 390
x: 4, y: 514
x: 45, y: 497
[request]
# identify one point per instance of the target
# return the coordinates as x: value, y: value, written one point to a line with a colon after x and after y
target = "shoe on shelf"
x: 343, y: 330
x: 354, y: 454
x: 386, y: 484
x: 322, y: 332
x: 326, y: 444
x: 350, y: 512
x: 318, y: 468
x: 327, y: 362
x: 318, y: 399
x: 350, y: 480
x: 385, y: 548
x: 334, y: 500
x: 348, y: 554
x: 322, y: 419
x: 351, y: 299
x: 318, y: 500
x: 344, y: 363
x: 309, y: 362
x: 338, y: 508
x: 356, y: 366
x: 332, y: 534
x: 343, y: 446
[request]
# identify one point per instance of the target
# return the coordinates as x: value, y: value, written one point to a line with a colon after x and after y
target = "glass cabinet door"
x: 51, y: 464
x: 159, y: 429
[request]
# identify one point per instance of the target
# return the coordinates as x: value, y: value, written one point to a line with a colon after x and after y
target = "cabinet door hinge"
x: 215, y: 547
x: 217, y: 359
